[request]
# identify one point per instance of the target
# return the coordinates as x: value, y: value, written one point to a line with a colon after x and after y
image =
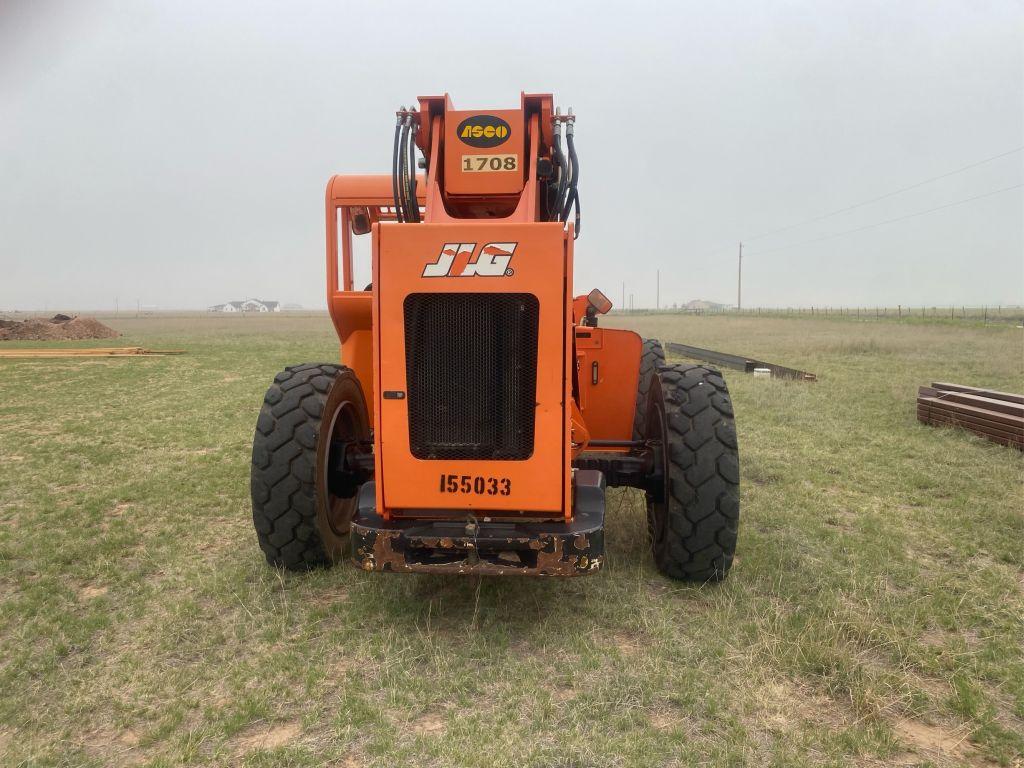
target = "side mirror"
x: 360, y: 221
x: 599, y: 302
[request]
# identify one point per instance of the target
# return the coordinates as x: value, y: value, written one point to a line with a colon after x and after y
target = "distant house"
x: 255, y: 305
x: 249, y: 305
x: 701, y: 304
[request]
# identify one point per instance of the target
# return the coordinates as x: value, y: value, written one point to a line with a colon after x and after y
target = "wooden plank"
x: 975, y: 425
x: 1007, y: 441
x: 957, y: 400
x: 1003, y: 406
x: 991, y: 438
x: 736, y: 362
x: 28, y: 353
x: 996, y: 420
x: 988, y: 403
x: 974, y: 421
x: 79, y: 352
x: 970, y: 410
x: 1000, y: 428
x: 994, y: 394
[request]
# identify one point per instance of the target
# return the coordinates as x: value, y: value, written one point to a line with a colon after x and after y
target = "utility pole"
x: 739, y: 280
x: 623, y: 305
x: 657, y: 290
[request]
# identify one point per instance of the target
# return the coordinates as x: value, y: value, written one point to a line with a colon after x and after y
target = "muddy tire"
x: 300, y: 521
x: 693, y: 513
x: 651, y: 356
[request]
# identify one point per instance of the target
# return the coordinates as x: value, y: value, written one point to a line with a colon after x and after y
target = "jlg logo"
x: 464, y: 260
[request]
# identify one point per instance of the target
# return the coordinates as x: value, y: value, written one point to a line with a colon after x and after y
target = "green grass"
x: 875, y: 614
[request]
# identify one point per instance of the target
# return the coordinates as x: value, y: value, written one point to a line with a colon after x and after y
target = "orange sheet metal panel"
x: 608, y: 361
x: 567, y: 369
x: 411, y: 260
x: 484, y: 152
x: 373, y: 189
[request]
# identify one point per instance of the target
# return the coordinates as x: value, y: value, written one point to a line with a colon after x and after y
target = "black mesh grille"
x: 471, y: 372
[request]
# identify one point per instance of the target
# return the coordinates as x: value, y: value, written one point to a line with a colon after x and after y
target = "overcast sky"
x: 175, y: 153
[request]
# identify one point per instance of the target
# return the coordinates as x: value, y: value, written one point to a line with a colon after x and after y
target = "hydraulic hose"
x: 576, y: 206
x: 395, y: 168
x: 413, y: 214
x: 573, y: 197
x: 559, y: 192
x: 574, y: 173
x: 403, y: 170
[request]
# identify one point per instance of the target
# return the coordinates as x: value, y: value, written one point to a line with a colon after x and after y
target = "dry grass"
x: 874, y: 616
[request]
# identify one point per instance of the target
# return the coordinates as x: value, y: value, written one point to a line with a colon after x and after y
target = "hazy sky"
x: 175, y: 153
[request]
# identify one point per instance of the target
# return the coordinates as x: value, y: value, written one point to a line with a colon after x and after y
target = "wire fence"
x: 1008, y: 315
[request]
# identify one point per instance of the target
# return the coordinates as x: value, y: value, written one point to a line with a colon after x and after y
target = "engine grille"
x: 471, y: 374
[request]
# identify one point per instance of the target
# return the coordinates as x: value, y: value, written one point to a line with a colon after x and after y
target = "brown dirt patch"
x: 785, y: 706
x: 57, y: 328
x: 428, y: 725
x: 91, y: 592
x: 115, y: 746
x: 626, y: 644
x: 339, y: 667
x: 561, y: 693
x: 932, y: 738
x: 663, y: 720
x: 269, y: 736
x: 667, y: 718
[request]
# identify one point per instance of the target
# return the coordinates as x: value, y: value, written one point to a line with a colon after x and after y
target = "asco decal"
x: 464, y: 260
x: 483, y: 131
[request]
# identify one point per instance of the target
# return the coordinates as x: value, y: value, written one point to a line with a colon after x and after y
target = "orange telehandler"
x: 481, y: 411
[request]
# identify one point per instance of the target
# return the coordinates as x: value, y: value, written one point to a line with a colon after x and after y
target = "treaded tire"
x: 651, y: 356
x: 694, y: 524
x: 299, y: 524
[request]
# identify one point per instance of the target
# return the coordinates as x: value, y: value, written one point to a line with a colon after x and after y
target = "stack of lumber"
x: 998, y: 416
x: 26, y: 352
x: 737, y: 362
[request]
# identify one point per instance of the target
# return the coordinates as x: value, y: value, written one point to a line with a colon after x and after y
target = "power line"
x: 887, y: 221
x: 882, y: 197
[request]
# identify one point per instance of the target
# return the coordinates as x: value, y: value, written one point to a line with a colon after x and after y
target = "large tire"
x: 300, y: 522
x: 694, y: 514
x: 651, y: 356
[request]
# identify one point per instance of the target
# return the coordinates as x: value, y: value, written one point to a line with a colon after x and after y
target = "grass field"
x: 875, y: 614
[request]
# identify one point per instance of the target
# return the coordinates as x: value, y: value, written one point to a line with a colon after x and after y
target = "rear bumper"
x: 477, y: 545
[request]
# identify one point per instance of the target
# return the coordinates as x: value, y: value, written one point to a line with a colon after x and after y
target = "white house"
x: 249, y: 305
x: 255, y: 305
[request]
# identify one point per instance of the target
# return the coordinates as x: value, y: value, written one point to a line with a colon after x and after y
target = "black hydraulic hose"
x: 559, y: 192
x: 395, y: 170
x: 414, y: 206
x: 576, y: 205
x: 574, y: 176
x: 566, y: 199
x: 403, y: 170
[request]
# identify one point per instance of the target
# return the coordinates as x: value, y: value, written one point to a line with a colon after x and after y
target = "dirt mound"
x: 57, y: 328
